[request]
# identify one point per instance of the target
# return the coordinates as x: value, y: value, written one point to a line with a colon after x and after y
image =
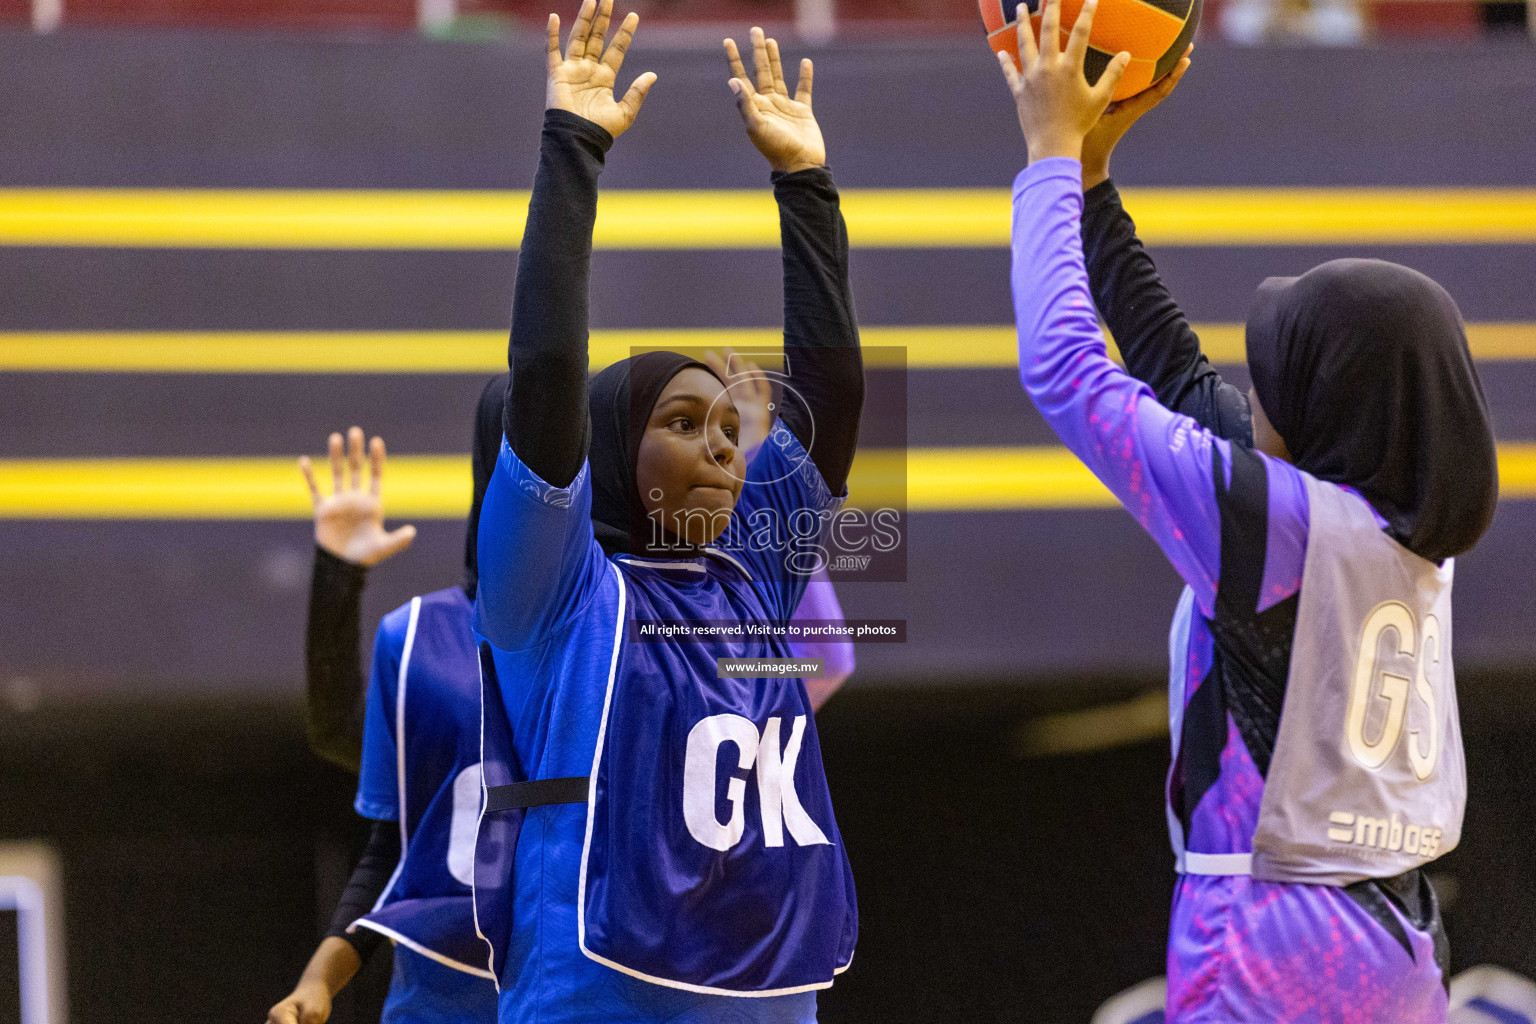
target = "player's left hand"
x: 781, y: 126
x: 750, y: 390
x: 1117, y: 119
x: 349, y: 522
x: 1056, y: 105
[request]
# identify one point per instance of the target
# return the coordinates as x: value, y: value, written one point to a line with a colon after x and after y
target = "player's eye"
x: 731, y: 432
x: 682, y: 424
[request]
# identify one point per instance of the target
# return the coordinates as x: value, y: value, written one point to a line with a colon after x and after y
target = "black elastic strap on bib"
x: 537, y: 793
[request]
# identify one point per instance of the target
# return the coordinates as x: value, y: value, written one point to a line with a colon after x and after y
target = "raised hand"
x: 781, y: 126
x: 350, y: 522
x: 750, y: 390
x: 1118, y: 118
x: 583, y: 81
x: 1056, y: 105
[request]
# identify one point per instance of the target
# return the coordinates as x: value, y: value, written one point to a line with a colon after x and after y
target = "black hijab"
x: 1363, y: 368
x: 482, y: 456
x: 621, y: 399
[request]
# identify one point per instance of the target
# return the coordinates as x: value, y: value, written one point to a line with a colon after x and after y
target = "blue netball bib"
x: 496, y: 844
x: 435, y: 717
x: 712, y: 861
x: 705, y: 858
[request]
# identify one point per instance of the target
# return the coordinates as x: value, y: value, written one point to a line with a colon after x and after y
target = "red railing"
x: 1382, y: 18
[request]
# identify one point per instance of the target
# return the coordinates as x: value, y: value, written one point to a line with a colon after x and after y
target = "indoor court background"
x: 997, y: 778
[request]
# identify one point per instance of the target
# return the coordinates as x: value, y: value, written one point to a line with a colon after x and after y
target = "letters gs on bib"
x: 1395, y: 653
x: 755, y: 754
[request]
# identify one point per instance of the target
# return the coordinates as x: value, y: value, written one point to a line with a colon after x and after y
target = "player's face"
x: 690, y: 467
x: 1265, y: 437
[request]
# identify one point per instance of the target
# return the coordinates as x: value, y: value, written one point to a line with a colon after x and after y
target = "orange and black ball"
x: 1154, y: 32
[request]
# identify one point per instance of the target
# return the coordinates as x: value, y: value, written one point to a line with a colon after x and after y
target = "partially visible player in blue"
x: 1317, y: 757
x: 701, y: 876
x: 420, y: 763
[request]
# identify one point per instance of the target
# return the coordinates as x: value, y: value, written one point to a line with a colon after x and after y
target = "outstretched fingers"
x: 803, y: 87
x: 576, y: 46
x: 308, y: 469
x: 746, y: 105
x: 1172, y: 78
x: 1010, y: 71
x: 614, y: 58
x: 552, y: 57
x: 738, y: 69
x: 636, y: 94
x: 396, y: 541
x: 1135, y: 106
x: 1109, y: 81
x: 355, y: 456
x: 716, y: 362
x: 1163, y: 89
x: 1029, y: 52
x: 1050, y: 29
x: 758, y: 387
x: 1077, y: 43
x: 760, y: 61
x: 375, y: 466
x: 336, y: 448
x: 599, y: 34
x: 1149, y: 98
x: 741, y: 87
x: 776, y: 68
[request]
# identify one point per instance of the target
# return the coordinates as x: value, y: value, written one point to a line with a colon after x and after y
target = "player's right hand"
x: 349, y: 522
x: 310, y: 1003
x: 582, y: 81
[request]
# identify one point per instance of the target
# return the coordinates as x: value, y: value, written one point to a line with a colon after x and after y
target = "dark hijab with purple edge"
x: 1363, y: 368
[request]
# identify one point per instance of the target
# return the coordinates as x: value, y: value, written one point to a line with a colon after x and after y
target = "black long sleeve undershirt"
x: 333, y: 665
x: 1155, y: 339
x: 367, y: 883
x: 821, y: 333
x: 546, y: 420
x: 334, y: 719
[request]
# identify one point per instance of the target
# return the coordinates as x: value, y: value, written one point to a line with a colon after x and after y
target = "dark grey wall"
x: 92, y: 607
x: 174, y: 109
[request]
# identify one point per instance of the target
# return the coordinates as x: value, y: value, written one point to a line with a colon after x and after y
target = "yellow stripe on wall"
x: 922, y: 348
x: 738, y: 219
x: 420, y: 486
x: 438, y: 486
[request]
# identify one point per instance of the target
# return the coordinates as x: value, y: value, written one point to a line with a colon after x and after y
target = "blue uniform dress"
x: 706, y: 865
x: 421, y: 738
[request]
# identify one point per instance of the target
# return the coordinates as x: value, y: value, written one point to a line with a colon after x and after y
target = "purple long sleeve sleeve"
x: 1158, y: 463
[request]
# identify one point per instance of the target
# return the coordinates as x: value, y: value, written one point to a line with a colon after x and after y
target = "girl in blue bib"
x: 625, y: 548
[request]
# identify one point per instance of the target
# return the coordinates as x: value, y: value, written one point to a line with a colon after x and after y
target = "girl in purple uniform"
x: 1317, y: 759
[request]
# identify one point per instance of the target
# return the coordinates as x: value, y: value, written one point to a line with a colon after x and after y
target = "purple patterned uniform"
x: 1234, y: 524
